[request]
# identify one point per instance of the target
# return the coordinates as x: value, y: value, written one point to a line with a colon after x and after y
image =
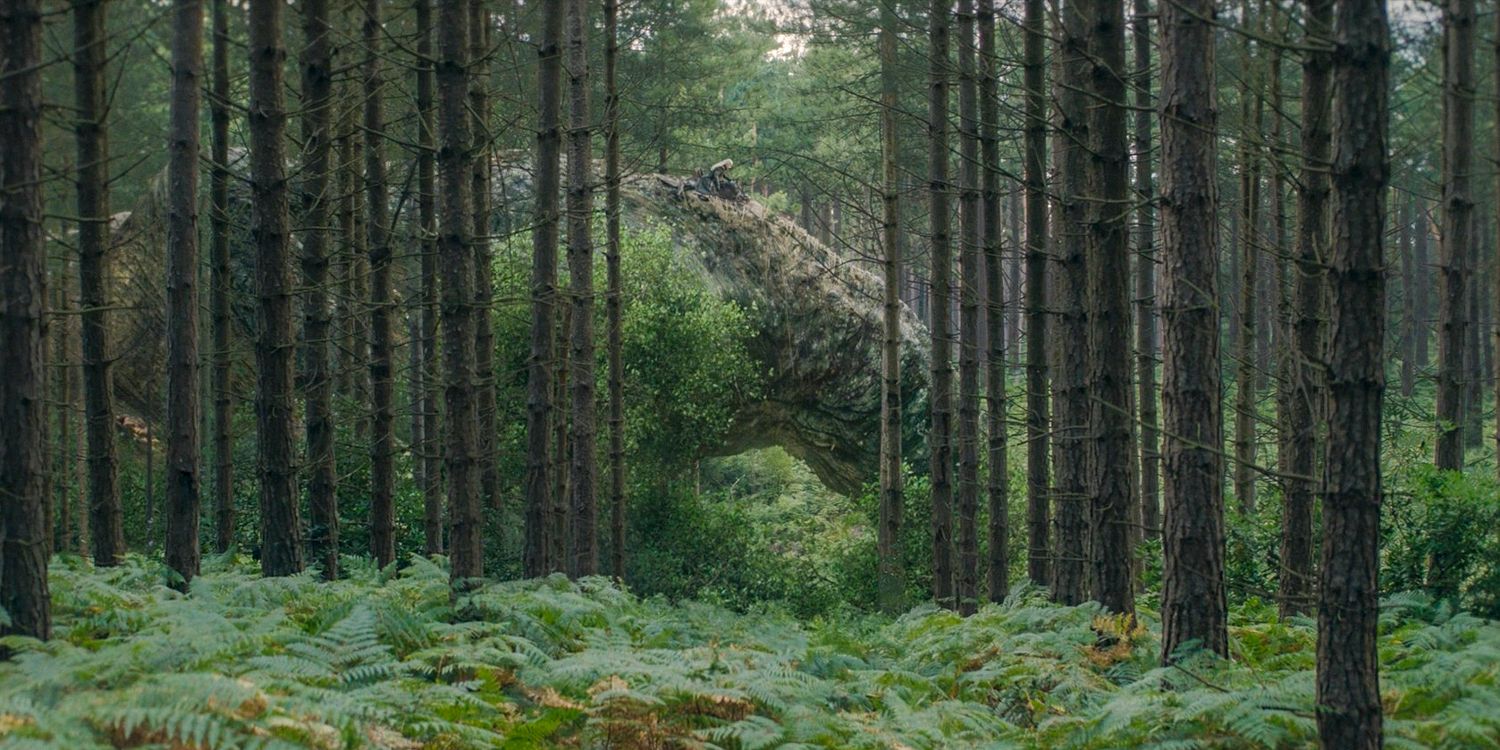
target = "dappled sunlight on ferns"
x: 381, y: 660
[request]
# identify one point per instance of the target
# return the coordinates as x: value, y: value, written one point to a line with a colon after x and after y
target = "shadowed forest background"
x: 733, y: 374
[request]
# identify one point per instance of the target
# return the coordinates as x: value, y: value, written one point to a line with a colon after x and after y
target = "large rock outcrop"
x: 816, y: 315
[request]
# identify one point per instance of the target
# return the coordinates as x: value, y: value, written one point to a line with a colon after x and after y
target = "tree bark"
x: 432, y: 446
x: 1348, y: 684
x: 382, y: 339
x: 317, y: 376
x: 1038, y: 498
x: 614, y: 294
x: 1145, y: 276
x: 221, y: 283
x: 1112, y: 455
x: 90, y: 44
x: 183, y: 457
x: 488, y: 408
x: 1295, y: 593
x: 970, y: 258
x: 281, y: 522
x: 1408, y: 324
x: 539, y: 407
x: 585, y: 559
x: 457, y: 259
x: 23, y: 531
x: 891, y: 583
x: 940, y: 446
x: 997, y: 570
x: 1458, y: 227
x: 1193, y: 606
x: 1246, y: 377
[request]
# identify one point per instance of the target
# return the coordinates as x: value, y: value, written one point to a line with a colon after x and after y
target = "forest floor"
x: 382, y: 661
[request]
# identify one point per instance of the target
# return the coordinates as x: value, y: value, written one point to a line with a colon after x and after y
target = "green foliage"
x: 378, y: 661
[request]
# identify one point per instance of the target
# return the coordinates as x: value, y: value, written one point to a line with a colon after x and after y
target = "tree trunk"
x: 1145, y: 276
x: 614, y: 292
x: 1245, y: 418
x: 539, y: 384
x: 457, y: 260
x: 1408, y: 279
x: 1038, y: 500
x: 1112, y: 456
x: 183, y: 459
x: 317, y: 376
x: 488, y: 407
x: 1421, y: 285
x: 1458, y: 227
x: 1070, y: 574
x: 1193, y: 604
x: 221, y: 283
x: 382, y: 339
x: 997, y: 572
x: 23, y: 531
x: 89, y: 61
x: 432, y: 446
x: 968, y: 348
x: 585, y: 558
x: 1307, y: 390
x: 940, y: 446
x: 1474, y: 345
x: 281, y: 523
x: 1348, y: 611
x: 558, y: 512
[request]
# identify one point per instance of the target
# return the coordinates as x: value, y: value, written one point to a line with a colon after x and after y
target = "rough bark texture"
x: 280, y: 521
x: 23, y: 530
x: 317, y: 370
x: 1111, y: 463
x: 1303, y: 406
x: 1406, y: 320
x: 484, y: 265
x: 584, y: 500
x: 90, y: 54
x: 1348, y: 684
x: 970, y: 258
x: 456, y: 257
x: 1246, y: 376
x: 543, y: 292
x: 183, y: 448
x: 1458, y: 227
x: 891, y: 582
x: 1494, y: 372
x: 613, y: 300
x: 1421, y: 286
x: 1070, y: 573
x: 382, y: 338
x: 221, y: 283
x: 997, y: 569
x: 939, y: 438
x: 1193, y: 604
x: 432, y: 453
x: 1145, y: 277
x: 1038, y: 500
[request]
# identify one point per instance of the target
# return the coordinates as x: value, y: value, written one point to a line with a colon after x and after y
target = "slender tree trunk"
x: 221, y: 283
x: 1307, y: 389
x: 382, y: 339
x: 457, y: 261
x: 150, y: 486
x: 614, y: 294
x: 997, y: 572
x: 23, y: 532
x: 488, y: 408
x: 940, y: 446
x: 1458, y: 227
x: 1070, y: 574
x: 1408, y: 280
x: 1038, y: 500
x: 1421, y: 286
x: 1494, y: 371
x: 1348, y: 611
x: 432, y: 452
x: 558, y: 525
x: 1145, y: 276
x: 60, y: 424
x: 1193, y: 605
x: 892, y: 577
x: 183, y: 459
x: 585, y: 557
x: 281, y: 523
x: 539, y: 381
x: 968, y: 349
x: 1474, y: 345
x: 1245, y: 385
x: 89, y: 61
x: 317, y: 376
x: 1111, y: 480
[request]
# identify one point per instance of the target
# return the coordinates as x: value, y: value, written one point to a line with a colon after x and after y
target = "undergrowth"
x: 380, y: 660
